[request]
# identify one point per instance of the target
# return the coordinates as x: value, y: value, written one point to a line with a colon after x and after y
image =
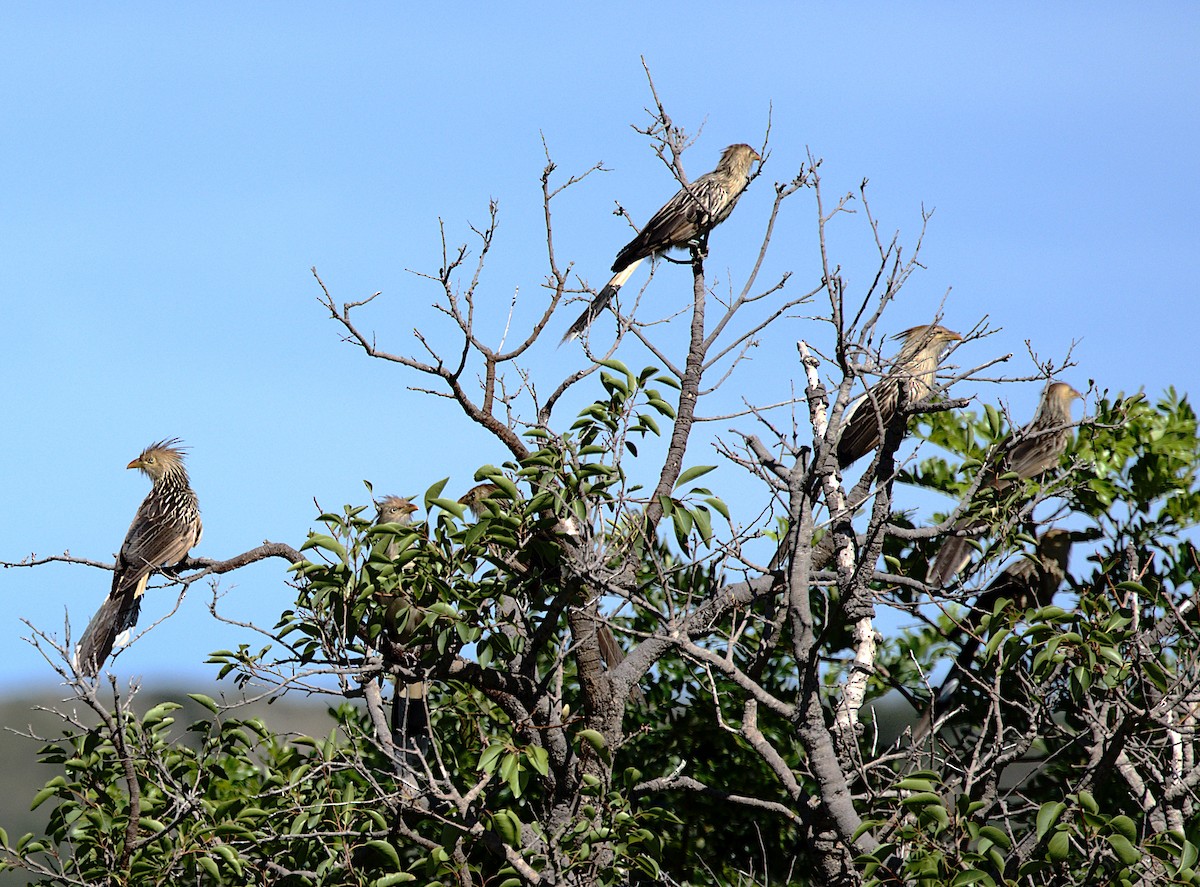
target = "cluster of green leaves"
x: 608, y: 427
x: 353, y: 594
x: 227, y: 802
x: 1086, y: 678
x: 1076, y: 843
x: 1061, y: 664
x: 1139, y: 466
x: 466, y: 602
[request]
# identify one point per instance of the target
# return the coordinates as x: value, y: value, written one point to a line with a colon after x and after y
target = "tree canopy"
x: 644, y: 664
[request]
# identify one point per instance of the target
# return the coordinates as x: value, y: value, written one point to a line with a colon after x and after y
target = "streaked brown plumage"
x: 686, y: 218
x: 410, y: 718
x: 166, y: 527
x: 913, y: 370
x: 1026, y: 454
x: 476, y: 496
x: 396, y: 510
x: 1029, y: 582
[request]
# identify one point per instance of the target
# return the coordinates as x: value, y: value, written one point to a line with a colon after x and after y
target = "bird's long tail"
x: 613, y: 656
x: 951, y: 557
x: 598, y: 304
x: 410, y: 730
x: 116, y: 615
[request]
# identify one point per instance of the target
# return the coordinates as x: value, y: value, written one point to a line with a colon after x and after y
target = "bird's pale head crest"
x: 160, y: 458
x: 1061, y: 391
x: 474, y: 497
x: 739, y: 155
x: 927, y: 341
x: 394, y: 510
x: 928, y: 332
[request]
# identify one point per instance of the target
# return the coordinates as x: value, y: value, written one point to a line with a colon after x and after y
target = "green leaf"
x: 328, y: 543
x: 683, y: 525
x: 1059, y: 846
x: 435, y: 490
x: 450, y: 506
x: 393, y: 878
x: 41, y: 796
x: 230, y: 856
x: 490, y: 756
x: 510, y: 772
x: 692, y: 473
x: 1125, y: 851
x: 158, y: 712
x: 911, y: 784
x: 1135, y: 588
x: 207, y: 701
x: 648, y: 421
x: 594, y: 738
x: 539, y: 759
x: 617, y: 367
x: 210, y: 868
x: 1189, y: 856
x: 508, y: 827
x: 971, y: 876
x: 1048, y: 816
x: 669, y: 381
x: 922, y: 799
x: 387, y: 850
x: 996, y: 836
x: 718, y: 506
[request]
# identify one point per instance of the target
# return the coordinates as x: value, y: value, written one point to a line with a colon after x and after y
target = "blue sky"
x: 171, y: 173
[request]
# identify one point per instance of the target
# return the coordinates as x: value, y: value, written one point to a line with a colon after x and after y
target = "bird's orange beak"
x: 136, y: 463
x: 409, y: 508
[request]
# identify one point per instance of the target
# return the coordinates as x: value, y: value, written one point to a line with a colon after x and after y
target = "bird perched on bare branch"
x: 912, y: 372
x: 686, y: 218
x: 1028, y: 583
x: 166, y: 527
x: 410, y: 718
x: 1025, y: 454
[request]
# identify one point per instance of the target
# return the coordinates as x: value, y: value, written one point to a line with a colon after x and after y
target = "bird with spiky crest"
x: 912, y: 374
x: 686, y: 218
x: 166, y: 527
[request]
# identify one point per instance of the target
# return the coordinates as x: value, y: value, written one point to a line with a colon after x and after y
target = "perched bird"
x: 393, y: 510
x: 1029, y: 582
x: 914, y: 368
x: 685, y: 218
x: 1026, y: 454
x: 410, y: 718
x: 166, y: 527
x: 476, y: 496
